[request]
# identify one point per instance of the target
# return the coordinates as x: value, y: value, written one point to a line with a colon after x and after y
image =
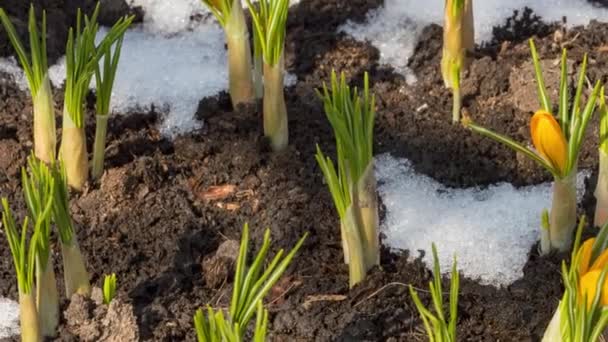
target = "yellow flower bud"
x: 588, y: 286
x: 585, y: 259
x: 549, y: 140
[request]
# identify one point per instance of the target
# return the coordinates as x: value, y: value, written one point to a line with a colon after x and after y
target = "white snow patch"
x: 9, y: 66
x: 394, y: 28
x: 9, y: 318
x: 170, y: 62
x: 170, y: 72
x: 490, y: 230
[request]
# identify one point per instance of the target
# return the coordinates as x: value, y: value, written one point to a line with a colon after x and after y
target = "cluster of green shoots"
x: 269, y: 19
x: 83, y: 58
x: 557, y: 144
x: 46, y: 195
x: 352, y: 182
x: 251, y: 284
x: 582, y: 314
x: 437, y: 325
x: 458, y: 40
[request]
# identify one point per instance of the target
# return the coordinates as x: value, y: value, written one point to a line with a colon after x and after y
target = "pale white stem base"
x: 47, y: 299
x: 30, y: 326
x: 553, y: 332
x: 562, y: 218
x: 75, y: 274
x: 601, y: 192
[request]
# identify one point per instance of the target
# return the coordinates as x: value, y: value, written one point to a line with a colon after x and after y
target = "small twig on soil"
x: 291, y: 286
x: 383, y: 288
x: 571, y: 41
x: 322, y: 298
x: 217, y: 301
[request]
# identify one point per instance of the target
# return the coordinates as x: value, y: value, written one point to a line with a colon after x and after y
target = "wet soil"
x: 164, y: 207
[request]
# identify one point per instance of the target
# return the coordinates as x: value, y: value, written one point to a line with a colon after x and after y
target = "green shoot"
x: 23, y: 254
x: 458, y: 39
x: 38, y: 188
x: 352, y: 183
x: 82, y: 57
x: 76, y: 278
x: 24, y: 260
x: 251, y: 284
x: 230, y: 15
x: 105, y: 82
x: 437, y: 325
x: 269, y: 23
x: 35, y: 66
x: 109, y: 288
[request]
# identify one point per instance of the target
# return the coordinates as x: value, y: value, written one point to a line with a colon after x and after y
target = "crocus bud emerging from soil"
x: 549, y: 140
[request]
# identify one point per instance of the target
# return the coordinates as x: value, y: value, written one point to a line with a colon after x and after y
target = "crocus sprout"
x: 109, y: 288
x: 601, y: 189
x: 82, y: 57
x: 353, y: 184
x: 104, y: 79
x: 38, y: 190
x: 230, y: 15
x: 24, y: 259
x: 269, y: 23
x: 437, y: 325
x: 251, y: 284
x: 582, y: 314
x: 76, y: 278
x: 458, y: 39
x: 557, y: 142
x: 35, y: 66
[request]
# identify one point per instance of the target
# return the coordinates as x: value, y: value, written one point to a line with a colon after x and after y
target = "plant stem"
x: 75, y: 274
x: 545, y: 233
x: 275, y: 110
x: 457, y: 104
x: 601, y: 192
x: 30, y: 326
x: 99, y: 149
x: 258, y: 68
x: 239, y: 56
x: 357, y: 267
x: 344, y: 241
x: 47, y: 298
x: 368, y: 207
x: 562, y: 219
x: 74, y: 152
x: 45, y: 135
x: 553, y: 332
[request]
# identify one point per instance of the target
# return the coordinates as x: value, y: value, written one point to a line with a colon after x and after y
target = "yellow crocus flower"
x: 549, y: 140
x: 590, y: 274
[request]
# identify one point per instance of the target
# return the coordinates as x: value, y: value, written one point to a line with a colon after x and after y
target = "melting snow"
x: 490, y: 230
x: 394, y: 28
x: 9, y: 318
x: 172, y: 61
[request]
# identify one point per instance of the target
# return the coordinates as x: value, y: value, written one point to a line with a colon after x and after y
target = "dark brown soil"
x: 163, y: 207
